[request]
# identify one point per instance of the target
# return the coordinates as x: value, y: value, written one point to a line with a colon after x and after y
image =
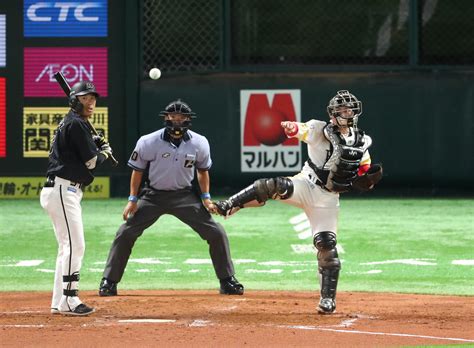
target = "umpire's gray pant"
x: 187, y: 207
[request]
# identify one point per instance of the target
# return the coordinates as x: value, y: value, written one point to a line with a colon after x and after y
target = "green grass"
x: 373, y: 233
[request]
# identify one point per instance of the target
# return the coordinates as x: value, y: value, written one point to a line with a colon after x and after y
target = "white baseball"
x: 155, y: 73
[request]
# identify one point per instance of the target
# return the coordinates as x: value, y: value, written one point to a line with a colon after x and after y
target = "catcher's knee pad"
x: 324, y: 241
x: 279, y: 187
x: 328, y: 260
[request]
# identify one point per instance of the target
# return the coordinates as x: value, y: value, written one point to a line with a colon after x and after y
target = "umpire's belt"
x: 52, y: 180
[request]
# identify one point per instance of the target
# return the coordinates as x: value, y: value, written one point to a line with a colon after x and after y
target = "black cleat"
x: 327, y: 306
x: 231, y: 286
x: 81, y: 310
x: 107, y: 288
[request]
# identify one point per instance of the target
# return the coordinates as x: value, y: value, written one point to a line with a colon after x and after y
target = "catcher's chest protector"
x: 343, y: 164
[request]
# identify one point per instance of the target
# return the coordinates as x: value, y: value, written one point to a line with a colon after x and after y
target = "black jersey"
x: 72, y: 147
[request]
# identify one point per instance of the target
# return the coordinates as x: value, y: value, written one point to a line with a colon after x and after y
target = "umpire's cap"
x: 83, y: 88
x: 178, y: 107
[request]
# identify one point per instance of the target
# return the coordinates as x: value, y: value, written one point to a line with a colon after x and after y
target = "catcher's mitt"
x: 367, y: 181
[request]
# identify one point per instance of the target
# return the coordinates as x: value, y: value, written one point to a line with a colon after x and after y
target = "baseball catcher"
x: 339, y: 161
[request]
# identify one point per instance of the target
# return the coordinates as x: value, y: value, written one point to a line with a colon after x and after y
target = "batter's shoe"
x: 231, y: 286
x: 80, y: 310
x: 107, y: 288
x: 327, y: 306
x: 54, y: 311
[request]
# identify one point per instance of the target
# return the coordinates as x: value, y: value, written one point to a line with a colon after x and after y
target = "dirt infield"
x: 259, y: 318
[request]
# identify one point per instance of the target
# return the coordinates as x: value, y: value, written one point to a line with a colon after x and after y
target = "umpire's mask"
x: 177, y: 125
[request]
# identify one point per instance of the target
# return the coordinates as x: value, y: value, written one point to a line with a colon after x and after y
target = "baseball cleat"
x: 231, y: 286
x: 107, y: 288
x: 80, y: 310
x: 54, y: 311
x: 327, y: 306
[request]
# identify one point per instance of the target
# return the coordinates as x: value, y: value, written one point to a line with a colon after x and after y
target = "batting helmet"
x: 80, y: 88
x: 178, y: 107
x: 345, y: 100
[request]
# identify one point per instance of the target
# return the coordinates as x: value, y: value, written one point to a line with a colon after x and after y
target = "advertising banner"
x: 30, y: 187
x: 3, y: 40
x: 65, y: 18
x: 264, y: 145
x: 76, y: 64
x: 3, y: 117
x: 40, y: 123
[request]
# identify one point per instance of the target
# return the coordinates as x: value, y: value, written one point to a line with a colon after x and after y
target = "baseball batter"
x: 339, y: 161
x: 73, y: 157
x: 172, y: 155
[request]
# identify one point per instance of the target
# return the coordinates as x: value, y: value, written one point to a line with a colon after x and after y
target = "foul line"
x: 303, y: 327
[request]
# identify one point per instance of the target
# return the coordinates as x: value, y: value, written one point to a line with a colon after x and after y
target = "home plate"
x: 147, y: 321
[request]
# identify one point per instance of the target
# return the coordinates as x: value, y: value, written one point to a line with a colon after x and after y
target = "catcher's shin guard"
x: 225, y: 207
x: 261, y: 191
x: 329, y: 266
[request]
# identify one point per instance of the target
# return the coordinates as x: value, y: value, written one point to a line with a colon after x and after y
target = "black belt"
x: 50, y: 183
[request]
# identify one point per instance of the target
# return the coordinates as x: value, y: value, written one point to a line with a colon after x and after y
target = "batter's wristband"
x: 133, y: 198
x: 205, y: 195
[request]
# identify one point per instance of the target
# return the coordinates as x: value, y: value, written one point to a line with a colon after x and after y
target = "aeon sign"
x: 76, y: 64
x: 71, y: 72
x: 264, y: 145
x: 65, y: 18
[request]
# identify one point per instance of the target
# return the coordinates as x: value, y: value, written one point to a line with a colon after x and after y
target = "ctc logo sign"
x: 262, y: 113
x: 59, y: 11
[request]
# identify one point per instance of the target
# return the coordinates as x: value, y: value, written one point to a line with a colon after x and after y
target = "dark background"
x: 410, y: 62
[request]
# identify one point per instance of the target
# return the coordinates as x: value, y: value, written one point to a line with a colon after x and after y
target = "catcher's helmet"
x: 178, y: 107
x: 80, y: 88
x: 344, y: 99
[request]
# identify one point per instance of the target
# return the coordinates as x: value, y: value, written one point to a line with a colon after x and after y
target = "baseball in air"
x: 155, y: 73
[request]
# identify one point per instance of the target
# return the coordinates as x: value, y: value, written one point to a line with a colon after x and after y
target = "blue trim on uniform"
x: 135, y: 168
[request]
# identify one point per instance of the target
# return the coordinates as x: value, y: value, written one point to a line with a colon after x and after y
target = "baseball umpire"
x: 172, y: 155
x: 339, y: 161
x: 73, y: 156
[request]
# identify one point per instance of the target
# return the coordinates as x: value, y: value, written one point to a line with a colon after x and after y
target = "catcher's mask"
x: 80, y: 88
x: 178, y: 128
x: 345, y: 106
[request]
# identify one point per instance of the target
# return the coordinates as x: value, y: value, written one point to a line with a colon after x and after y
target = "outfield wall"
x: 421, y: 118
x: 421, y: 122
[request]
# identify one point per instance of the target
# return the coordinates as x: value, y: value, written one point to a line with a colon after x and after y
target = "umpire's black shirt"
x: 72, y: 147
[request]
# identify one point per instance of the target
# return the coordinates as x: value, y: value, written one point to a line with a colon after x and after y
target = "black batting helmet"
x: 177, y: 107
x: 78, y: 89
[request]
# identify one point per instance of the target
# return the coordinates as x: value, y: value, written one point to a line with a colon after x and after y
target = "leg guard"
x: 261, y: 190
x: 328, y: 263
